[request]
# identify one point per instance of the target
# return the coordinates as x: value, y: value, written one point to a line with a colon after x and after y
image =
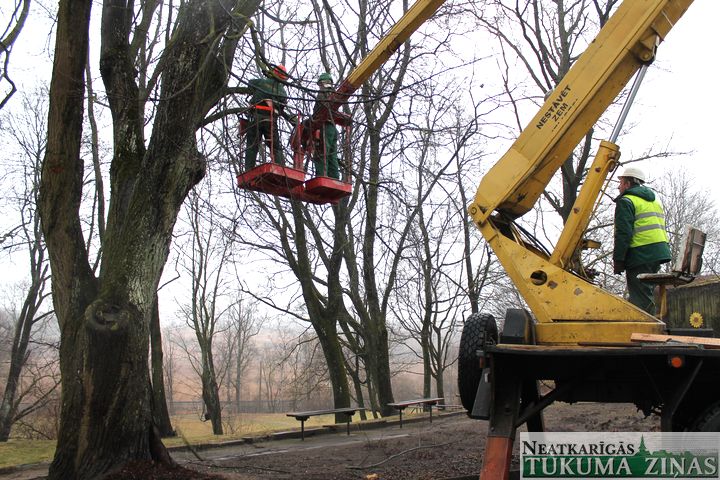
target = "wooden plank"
x: 654, y: 338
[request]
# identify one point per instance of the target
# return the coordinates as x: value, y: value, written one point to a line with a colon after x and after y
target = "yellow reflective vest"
x: 649, y: 225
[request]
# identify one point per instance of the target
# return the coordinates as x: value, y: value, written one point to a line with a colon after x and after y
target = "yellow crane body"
x: 567, y: 308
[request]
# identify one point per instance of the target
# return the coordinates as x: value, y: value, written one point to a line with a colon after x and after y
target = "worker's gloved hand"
x: 618, y: 266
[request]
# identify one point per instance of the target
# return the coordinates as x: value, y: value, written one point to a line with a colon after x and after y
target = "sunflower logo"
x: 696, y: 320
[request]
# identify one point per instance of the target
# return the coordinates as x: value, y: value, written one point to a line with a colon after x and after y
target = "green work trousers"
x: 641, y: 293
x: 262, y: 127
x: 325, y: 158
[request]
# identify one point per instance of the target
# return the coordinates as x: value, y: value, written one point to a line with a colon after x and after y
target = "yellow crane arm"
x: 626, y: 42
x: 568, y: 309
x: 418, y: 14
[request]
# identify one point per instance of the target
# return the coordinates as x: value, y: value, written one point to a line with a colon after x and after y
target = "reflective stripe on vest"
x: 649, y: 226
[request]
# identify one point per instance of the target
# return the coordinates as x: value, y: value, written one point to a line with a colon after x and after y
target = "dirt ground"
x: 450, y: 447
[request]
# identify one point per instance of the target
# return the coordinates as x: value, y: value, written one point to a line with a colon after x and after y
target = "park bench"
x: 425, y: 402
x: 302, y: 416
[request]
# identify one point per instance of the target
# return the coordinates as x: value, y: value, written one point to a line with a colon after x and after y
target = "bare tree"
x: 292, y: 370
x: 685, y: 204
x: 169, y: 369
x: 308, y: 374
x: 207, y: 260
x: 243, y: 323
x: 160, y: 409
x: 467, y: 162
x: 27, y: 131
x: 104, y: 319
x: 546, y: 38
x: 11, y: 32
x: 272, y: 374
x: 32, y: 374
x: 433, y: 286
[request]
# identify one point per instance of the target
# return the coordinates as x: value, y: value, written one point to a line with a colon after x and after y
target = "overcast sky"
x: 680, y: 98
x: 678, y: 103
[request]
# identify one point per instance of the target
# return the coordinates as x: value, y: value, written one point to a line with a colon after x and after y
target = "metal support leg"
x: 672, y: 404
x: 507, y: 388
x: 498, y: 455
x: 531, y: 396
x: 401, y: 410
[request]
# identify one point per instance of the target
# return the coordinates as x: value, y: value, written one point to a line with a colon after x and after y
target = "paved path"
x: 313, y: 440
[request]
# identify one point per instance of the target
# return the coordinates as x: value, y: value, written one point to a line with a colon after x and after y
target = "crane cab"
x: 295, y: 182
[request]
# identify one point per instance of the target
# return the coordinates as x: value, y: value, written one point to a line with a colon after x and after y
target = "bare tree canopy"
x: 11, y: 32
x: 28, y: 131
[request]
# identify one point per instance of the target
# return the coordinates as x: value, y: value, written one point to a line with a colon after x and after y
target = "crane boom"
x: 626, y: 42
x: 568, y: 309
x: 418, y: 14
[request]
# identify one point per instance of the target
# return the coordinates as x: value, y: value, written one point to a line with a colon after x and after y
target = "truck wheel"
x: 479, y: 329
x: 709, y: 421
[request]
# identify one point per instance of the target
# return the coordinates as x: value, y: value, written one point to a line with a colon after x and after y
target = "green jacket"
x: 322, y: 108
x: 267, y: 89
x: 624, y: 224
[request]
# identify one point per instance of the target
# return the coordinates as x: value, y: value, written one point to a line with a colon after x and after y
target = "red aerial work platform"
x: 271, y: 178
x: 289, y: 182
x: 321, y: 190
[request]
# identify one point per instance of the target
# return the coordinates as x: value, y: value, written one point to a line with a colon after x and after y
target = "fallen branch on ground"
x: 363, y: 467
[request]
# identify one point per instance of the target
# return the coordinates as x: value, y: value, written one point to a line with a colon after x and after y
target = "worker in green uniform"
x: 641, y: 241
x: 268, y: 99
x: 325, y: 154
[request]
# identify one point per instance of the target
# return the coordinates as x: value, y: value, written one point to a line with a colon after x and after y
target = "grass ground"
x: 188, y: 427
x: 242, y: 425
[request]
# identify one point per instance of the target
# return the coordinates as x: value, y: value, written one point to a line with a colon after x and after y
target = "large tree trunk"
x: 210, y: 391
x: 328, y: 337
x: 160, y: 409
x: 440, y: 386
x: 106, y: 417
x: 377, y: 361
x: 323, y: 314
x: 74, y: 286
x: 377, y: 348
x: 427, y: 364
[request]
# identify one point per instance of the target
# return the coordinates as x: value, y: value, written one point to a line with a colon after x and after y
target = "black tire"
x: 708, y: 421
x: 478, y: 326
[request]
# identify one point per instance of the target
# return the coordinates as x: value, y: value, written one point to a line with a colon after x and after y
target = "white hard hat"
x: 633, y: 172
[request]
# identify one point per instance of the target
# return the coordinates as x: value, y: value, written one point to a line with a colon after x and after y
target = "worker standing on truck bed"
x: 641, y: 241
